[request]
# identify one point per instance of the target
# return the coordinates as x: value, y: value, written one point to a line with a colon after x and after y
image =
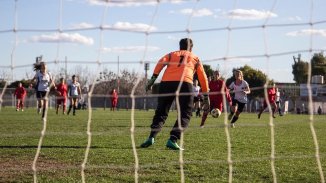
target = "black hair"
x: 37, y: 66
x: 186, y: 44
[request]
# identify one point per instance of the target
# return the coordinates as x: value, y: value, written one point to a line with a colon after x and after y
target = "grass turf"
x: 111, y: 157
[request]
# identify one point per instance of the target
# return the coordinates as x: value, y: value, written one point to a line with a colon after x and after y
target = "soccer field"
x: 111, y: 157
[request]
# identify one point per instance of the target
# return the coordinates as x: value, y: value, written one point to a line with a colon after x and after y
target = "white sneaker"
x: 17, y: 109
x: 22, y: 110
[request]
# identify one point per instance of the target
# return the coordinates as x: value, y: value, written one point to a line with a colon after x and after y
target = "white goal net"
x: 118, y: 43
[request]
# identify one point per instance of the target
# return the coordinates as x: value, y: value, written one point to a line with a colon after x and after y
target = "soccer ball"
x: 215, y: 113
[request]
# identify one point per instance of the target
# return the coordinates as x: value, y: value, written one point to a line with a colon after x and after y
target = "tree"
x: 255, y: 78
x: 208, y: 70
x: 300, y: 70
x: 318, y: 64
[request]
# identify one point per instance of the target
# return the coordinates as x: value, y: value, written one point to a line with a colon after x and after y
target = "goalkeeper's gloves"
x: 151, y: 82
x: 206, y: 103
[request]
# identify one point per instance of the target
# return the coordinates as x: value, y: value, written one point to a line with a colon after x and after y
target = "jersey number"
x: 181, y: 60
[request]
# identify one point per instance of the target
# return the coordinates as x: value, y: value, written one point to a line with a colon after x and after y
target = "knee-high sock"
x: 203, y: 119
x: 69, y: 109
x: 43, y: 112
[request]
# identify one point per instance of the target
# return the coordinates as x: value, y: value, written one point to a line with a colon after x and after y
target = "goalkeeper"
x: 180, y: 68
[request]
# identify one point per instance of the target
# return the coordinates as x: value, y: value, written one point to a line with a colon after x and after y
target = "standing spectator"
x: 217, y: 89
x: 241, y: 89
x: 43, y: 81
x: 271, y: 95
x: 74, y: 93
x: 114, y: 99
x: 319, y: 110
x: 278, y: 102
x: 20, y: 94
x: 178, y: 76
x: 285, y: 101
x: 197, y: 97
x: 62, y: 96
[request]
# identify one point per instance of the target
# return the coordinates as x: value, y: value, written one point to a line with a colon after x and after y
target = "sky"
x: 118, y: 35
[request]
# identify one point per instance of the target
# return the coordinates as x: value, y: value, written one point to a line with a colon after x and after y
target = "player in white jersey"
x: 278, y: 102
x: 74, y: 92
x: 241, y: 89
x: 43, y: 81
x: 197, y: 97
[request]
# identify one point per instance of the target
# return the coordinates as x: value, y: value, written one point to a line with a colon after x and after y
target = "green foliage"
x: 255, y: 78
x: 300, y: 71
x: 2, y: 83
x: 318, y: 64
x: 111, y: 157
x: 208, y: 70
x: 24, y: 82
x: 300, y: 68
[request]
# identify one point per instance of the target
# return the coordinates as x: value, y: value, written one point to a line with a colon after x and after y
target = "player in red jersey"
x: 20, y: 94
x: 114, y: 99
x: 62, y: 96
x: 271, y: 95
x: 217, y: 89
x: 178, y: 77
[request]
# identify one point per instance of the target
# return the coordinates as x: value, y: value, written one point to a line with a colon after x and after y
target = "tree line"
x: 125, y: 81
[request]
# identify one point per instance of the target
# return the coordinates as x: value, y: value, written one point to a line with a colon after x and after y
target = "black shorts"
x: 196, y: 99
x: 40, y: 94
x: 239, y: 104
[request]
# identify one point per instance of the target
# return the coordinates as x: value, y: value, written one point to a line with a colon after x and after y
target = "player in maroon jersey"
x: 271, y: 95
x: 62, y: 96
x: 20, y: 94
x: 217, y: 89
x: 114, y: 99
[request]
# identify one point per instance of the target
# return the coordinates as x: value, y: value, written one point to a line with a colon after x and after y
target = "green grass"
x: 111, y: 157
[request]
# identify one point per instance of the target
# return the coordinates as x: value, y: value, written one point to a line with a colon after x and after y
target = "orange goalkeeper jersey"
x: 181, y: 66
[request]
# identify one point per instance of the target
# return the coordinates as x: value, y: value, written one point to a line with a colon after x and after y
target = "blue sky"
x: 226, y: 33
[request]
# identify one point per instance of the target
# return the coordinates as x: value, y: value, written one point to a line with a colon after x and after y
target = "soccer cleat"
x: 173, y: 145
x: 147, y: 143
x: 22, y: 110
x: 17, y: 109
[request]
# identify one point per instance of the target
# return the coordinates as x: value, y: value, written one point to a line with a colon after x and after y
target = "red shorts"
x: 61, y: 100
x: 265, y: 103
x: 114, y: 103
x: 216, y: 104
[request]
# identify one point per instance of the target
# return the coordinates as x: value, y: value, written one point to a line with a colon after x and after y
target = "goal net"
x: 115, y: 44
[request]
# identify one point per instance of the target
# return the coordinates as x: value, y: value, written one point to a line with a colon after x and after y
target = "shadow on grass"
x: 63, y: 147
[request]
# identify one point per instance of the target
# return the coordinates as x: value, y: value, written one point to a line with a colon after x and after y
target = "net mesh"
x: 60, y: 34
